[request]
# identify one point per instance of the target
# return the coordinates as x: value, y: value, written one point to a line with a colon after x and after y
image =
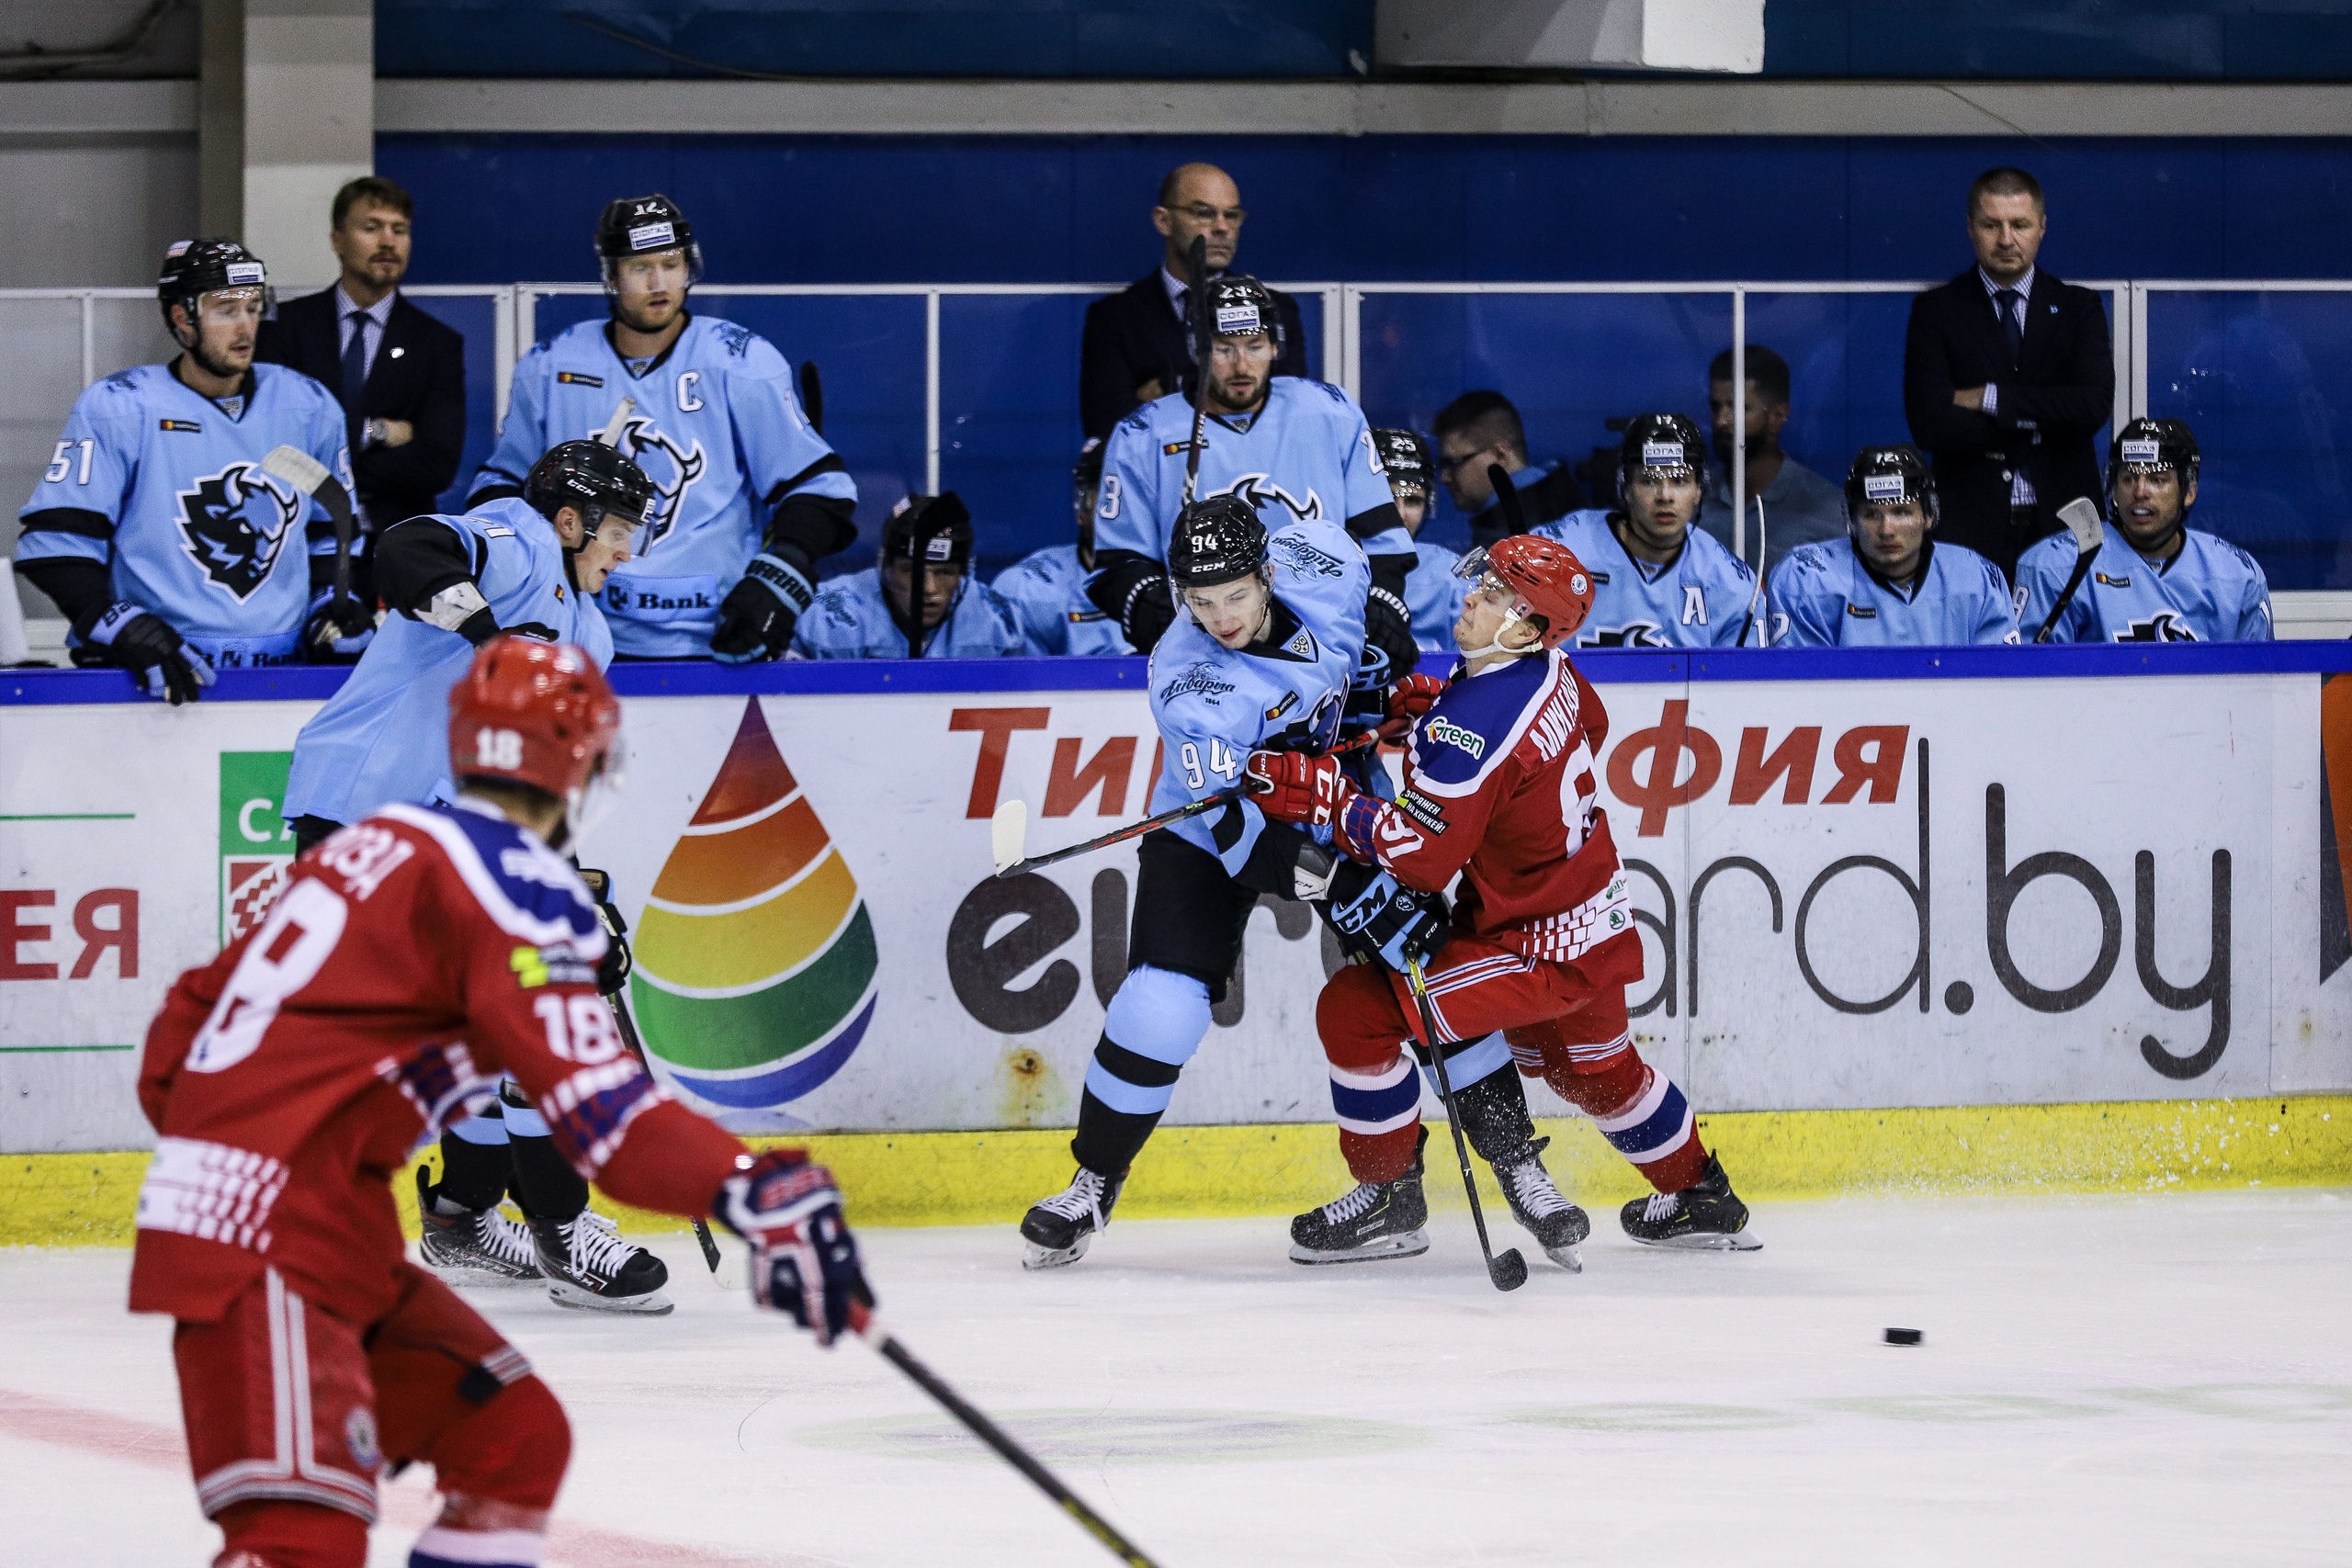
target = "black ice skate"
x: 472, y: 1247
x: 1706, y: 1216
x: 1557, y: 1224
x: 1058, y: 1229
x: 590, y: 1268
x: 1377, y: 1220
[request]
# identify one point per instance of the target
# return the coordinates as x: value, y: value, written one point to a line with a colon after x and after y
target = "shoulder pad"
x: 531, y: 892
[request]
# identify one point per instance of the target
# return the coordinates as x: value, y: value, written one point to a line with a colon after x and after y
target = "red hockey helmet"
x: 535, y: 713
x: 1544, y: 575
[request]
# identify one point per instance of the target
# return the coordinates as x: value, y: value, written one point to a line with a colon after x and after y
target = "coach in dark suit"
x: 401, y: 374
x: 1134, y: 347
x: 2008, y: 374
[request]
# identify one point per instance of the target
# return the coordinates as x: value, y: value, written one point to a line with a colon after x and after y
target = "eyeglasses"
x: 1202, y: 212
x: 1446, y: 464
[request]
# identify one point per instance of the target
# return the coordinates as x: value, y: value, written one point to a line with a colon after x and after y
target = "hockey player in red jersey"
x: 1498, y: 789
x: 415, y: 958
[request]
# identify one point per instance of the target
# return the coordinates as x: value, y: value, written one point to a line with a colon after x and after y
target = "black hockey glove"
x: 756, y: 618
x: 338, y: 630
x: 1379, y: 920
x: 129, y: 637
x: 613, y: 970
x: 1133, y: 590
x: 1389, y: 653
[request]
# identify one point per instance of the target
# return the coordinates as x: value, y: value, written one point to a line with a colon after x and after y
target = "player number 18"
x: 1224, y: 762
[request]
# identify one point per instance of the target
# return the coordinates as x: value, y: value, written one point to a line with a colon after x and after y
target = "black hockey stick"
x: 1507, y: 497
x: 812, y: 396
x: 310, y: 476
x: 1008, y: 829
x: 1509, y: 1271
x: 1203, y: 341
x: 2082, y: 520
x: 888, y: 1346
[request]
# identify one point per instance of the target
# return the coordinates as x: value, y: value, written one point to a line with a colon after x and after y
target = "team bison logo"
x: 1632, y: 633
x: 234, y: 522
x: 2165, y: 626
x: 642, y: 442
x: 1260, y: 491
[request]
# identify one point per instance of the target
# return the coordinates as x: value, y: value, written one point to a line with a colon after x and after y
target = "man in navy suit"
x: 2008, y: 374
x: 400, y: 373
x: 1134, y: 350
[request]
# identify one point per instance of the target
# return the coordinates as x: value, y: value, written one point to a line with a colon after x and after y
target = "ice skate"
x: 1558, y: 1225
x: 1375, y: 1221
x: 1706, y: 1216
x: 1058, y: 1229
x: 590, y: 1269
x: 470, y: 1246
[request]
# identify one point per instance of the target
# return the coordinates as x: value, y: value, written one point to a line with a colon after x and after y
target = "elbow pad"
x: 460, y: 608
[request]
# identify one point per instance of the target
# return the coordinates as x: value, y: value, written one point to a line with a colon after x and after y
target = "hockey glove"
x: 124, y: 635
x: 1291, y: 786
x: 1378, y: 917
x: 804, y: 1260
x: 1389, y: 652
x: 756, y: 618
x: 612, y: 970
x: 1408, y: 699
x: 338, y: 630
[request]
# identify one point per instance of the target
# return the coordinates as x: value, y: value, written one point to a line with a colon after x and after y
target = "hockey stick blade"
x: 812, y: 396
x: 1115, y: 836
x: 1008, y: 834
x: 312, y: 477
x: 1508, y: 1272
x: 2082, y: 520
x: 611, y: 434
x: 888, y: 1347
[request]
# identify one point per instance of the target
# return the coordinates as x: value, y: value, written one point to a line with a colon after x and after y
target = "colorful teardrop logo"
x: 755, y: 958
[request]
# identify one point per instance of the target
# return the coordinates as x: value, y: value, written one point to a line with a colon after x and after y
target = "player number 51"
x: 60, y: 462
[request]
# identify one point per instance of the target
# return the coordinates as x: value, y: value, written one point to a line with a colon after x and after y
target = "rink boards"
x: 1866, y: 881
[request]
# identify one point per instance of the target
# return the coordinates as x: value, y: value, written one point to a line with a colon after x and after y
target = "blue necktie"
x: 2012, y: 326
x: 354, y: 364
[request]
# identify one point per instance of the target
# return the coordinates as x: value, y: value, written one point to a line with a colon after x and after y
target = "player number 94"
x: 1224, y: 762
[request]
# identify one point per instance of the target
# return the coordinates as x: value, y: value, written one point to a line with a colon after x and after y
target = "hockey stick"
x: 1203, y: 341
x: 616, y: 425
x: 2082, y: 520
x: 311, y: 477
x: 1509, y: 1271
x: 1756, y: 594
x: 1507, y: 497
x: 1008, y: 829
x: 812, y: 396
x: 887, y: 1345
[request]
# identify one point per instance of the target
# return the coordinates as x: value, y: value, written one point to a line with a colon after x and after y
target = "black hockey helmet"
x: 644, y: 226
x: 1238, y: 305
x: 933, y: 529
x: 1883, y: 474
x: 2153, y: 444
x: 1216, y: 541
x: 590, y: 476
x: 1660, y: 441
x: 193, y: 268
x: 1407, y: 459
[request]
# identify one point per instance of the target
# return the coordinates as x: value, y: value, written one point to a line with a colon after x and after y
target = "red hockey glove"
x: 1407, y: 700
x: 1291, y: 786
x: 804, y: 1261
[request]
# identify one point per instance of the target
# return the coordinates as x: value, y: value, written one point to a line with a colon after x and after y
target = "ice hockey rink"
x: 2165, y: 1378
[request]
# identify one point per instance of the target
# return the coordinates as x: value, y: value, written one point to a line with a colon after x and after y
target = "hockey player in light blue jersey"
x: 1261, y: 659
x: 1047, y: 588
x: 1435, y: 591
x: 921, y: 601
x: 1291, y: 447
x: 1658, y: 581
x: 154, y: 527
x: 1887, y: 584
x: 528, y: 564
x: 2155, y: 579
x: 748, y: 497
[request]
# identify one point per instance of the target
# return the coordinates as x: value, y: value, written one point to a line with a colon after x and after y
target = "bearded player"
x: 415, y: 958
x: 1499, y: 790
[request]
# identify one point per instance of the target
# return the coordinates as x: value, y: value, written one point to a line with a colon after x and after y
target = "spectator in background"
x: 1432, y: 592
x: 156, y: 527
x: 2155, y: 578
x: 920, y: 602
x: 1134, y: 348
x: 1800, y: 506
x: 1480, y: 430
x: 2008, y: 374
x: 1887, y: 584
x: 398, y: 373
x: 1047, y: 588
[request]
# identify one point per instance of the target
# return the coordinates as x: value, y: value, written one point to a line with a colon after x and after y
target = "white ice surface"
x: 2165, y: 1379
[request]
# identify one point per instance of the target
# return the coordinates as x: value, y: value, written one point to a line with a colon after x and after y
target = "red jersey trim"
x: 1537, y: 706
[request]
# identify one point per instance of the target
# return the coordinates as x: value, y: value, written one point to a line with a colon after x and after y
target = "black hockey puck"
x: 1904, y: 1336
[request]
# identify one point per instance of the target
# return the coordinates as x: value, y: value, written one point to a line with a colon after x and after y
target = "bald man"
x: 1134, y: 347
